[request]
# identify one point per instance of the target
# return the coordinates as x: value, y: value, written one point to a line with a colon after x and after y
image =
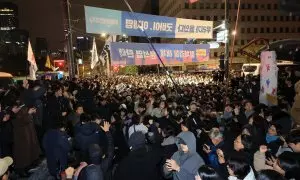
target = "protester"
x: 207, y: 173
x: 154, y: 125
x: 6, y: 135
x: 141, y: 162
x: 185, y: 163
x: 57, y: 146
x: 287, y: 165
x: 137, y: 125
x: 238, y: 168
x: 74, y: 117
x: 293, y: 140
x: 26, y: 149
x: 217, y: 142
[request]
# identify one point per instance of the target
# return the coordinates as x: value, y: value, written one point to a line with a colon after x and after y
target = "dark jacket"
x: 194, y: 123
x: 104, y: 112
x: 107, y: 161
x: 86, y: 98
x: 189, y: 162
x: 26, y: 147
x: 6, y: 138
x: 54, y: 109
x: 73, y: 118
x: 86, y: 135
x: 142, y: 163
x: 56, y: 147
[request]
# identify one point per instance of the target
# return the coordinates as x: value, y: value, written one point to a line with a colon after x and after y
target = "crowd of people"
x: 149, y: 127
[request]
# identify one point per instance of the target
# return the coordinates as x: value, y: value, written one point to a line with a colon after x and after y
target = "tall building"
x: 258, y: 19
x: 8, y: 16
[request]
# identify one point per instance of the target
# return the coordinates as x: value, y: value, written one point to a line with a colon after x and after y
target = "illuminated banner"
x: 143, y: 54
x: 113, y: 22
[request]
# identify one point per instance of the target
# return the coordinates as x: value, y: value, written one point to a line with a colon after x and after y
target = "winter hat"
x: 137, y: 140
x: 4, y: 164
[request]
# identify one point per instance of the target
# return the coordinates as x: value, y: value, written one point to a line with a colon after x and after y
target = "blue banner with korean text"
x: 113, y: 22
x: 143, y: 54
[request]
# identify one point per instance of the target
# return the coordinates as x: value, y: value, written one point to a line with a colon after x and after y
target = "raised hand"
x: 105, y: 126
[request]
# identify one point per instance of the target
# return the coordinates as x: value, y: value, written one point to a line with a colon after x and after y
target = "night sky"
x: 45, y: 18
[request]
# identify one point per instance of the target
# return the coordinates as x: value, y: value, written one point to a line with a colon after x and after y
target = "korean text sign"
x: 113, y: 22
x: 143, y: 54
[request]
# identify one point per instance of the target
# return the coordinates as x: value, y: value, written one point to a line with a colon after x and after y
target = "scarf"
x: 270, y: 138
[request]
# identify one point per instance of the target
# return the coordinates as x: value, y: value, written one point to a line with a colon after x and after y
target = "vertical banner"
x: 268, y: 78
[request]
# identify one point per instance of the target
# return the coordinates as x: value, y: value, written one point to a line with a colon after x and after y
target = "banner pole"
x: 107, y: 59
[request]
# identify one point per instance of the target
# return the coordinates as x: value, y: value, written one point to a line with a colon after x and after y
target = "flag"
x: 103, y: 56
x: 104, y: 53
x: 30, y: 57
x: 191, y: 1
x: 48, y: 63
x: 95, y: 57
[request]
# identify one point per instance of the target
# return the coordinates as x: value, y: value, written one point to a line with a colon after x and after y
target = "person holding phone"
x: 184, y: 163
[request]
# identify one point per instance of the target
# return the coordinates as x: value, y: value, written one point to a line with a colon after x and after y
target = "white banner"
x: 268, y: 77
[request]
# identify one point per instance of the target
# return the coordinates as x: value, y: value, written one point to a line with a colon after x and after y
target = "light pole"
x: 226, y: 53
x: 70, y: 44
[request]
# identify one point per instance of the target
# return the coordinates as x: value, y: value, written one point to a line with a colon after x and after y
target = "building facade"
x: 8, y: 16
x: 257, y: 19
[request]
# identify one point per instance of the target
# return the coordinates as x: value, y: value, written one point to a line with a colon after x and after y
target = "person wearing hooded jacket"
x: 184, y: 163
x: 57, y: 146
x: 86, y: 134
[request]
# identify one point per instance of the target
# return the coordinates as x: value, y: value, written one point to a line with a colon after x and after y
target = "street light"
x: 103, y: 34
x: 233, y: 33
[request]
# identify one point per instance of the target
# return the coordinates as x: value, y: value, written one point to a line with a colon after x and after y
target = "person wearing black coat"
x: 57, y: 147
x: 96, y: 153
x: 103, y: 109
x: 86, y: 134
x: 55, y: 109
x: 86, y: 98
x: 141, y: 163
x: 6, y: 135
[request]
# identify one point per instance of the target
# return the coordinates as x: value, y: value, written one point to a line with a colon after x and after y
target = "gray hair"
x: 215, y: 133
